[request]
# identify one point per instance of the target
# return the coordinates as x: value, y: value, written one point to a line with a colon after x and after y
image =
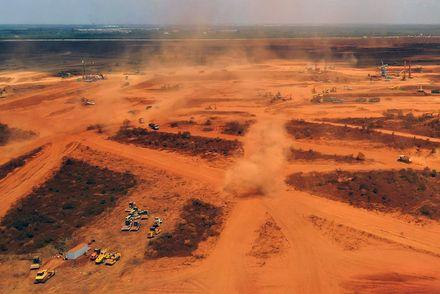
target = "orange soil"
x: 324, y: 246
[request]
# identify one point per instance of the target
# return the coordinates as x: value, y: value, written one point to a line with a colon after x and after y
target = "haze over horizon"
x: 214, y: 12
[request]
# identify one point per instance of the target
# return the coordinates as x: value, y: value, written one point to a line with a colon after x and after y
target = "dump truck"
x: 36, y: 263
x: 404, y: 159
x: 43, y: 275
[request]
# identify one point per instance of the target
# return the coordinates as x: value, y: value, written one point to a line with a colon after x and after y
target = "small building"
x: 77, y: 251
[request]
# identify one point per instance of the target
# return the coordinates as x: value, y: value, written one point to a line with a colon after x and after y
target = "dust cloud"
x: 258, y: 172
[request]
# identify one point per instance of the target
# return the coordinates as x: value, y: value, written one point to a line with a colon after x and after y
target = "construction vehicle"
x: 384, y: 71
x: 154, y: 231
x: 404, y: 159
x: 95, y: 254
x: 113, y: 259
x: 101, y: 257
x: 36, y: 263
x: 143, y: 212
x: 87, y: 102
x: 135, y: 227
x: 153, y: 126
x: 421, y: 91
x: 158, y: 221
x: 43, y: 275
x: 127, y: 226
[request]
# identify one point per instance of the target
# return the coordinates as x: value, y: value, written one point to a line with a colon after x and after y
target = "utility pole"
x: 84, y: 68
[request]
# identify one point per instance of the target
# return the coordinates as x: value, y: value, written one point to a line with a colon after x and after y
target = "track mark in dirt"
x: 345, y: 237
x: 392, y: 282
x: 270, y: 241
x: 18, y: 162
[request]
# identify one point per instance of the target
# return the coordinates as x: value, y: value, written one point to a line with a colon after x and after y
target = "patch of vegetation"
x: 427, y: 124
x: 236, y: 128
x: 180, y: 142
x: 15, y: 163
x: 99, y: 128
x: 406, y: 190
x: 311, y: 155
x: 306, y: 130
x: 199, y: 221
x: 75, y: 196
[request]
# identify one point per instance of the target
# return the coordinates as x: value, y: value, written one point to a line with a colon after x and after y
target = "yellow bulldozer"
x: 43, y: 276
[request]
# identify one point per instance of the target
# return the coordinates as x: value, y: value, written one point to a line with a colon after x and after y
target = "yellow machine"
x: 154, y: 232
x: 36, y: 263
x: 113, y: 259
x: 43, y: 275
x: 101, y: 257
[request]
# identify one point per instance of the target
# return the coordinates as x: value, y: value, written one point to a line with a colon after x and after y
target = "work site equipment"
x: 43, y: 275
x: 113, y: 258
x: 95, y: 253
x: 87, y: 102
x: 101, y: 257
x: 153, y: 126
x: 404, y: 159
x: 154, y: 231
x: 131, y: 222
x: 158, y: 220
x: 36, y: 263
x: 135, y: 227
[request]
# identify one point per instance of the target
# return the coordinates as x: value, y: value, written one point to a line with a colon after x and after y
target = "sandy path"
x: 21, y: 182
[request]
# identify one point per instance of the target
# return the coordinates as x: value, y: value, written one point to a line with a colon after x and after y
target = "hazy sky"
x: 218, y: 11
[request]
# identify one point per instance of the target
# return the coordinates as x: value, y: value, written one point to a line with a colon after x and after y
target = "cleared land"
x: 222, y: 171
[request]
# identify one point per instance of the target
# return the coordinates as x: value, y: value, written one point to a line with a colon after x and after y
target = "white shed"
x: 77, y: 251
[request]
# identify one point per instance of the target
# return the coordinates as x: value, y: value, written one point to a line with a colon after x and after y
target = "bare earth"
x: 273, y: 238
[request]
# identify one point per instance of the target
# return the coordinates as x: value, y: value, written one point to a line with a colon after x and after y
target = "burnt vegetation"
x: 182, y: 142
x: 427, y: 124
x: 306, y: 130
x: 15, y: 163
x: 406, y: 190
x: 199, y: 221
x: 76, y: 195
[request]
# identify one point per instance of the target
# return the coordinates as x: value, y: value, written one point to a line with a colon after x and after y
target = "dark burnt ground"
x: 236, y: 128
x: 425, y: 125
x: 199, y: 221
x: 74, y: 197
x: 307, y: 130
x: 406, y: 190
x: 181, y: 142
x: 7, y: 134
x: 311, y: 155
x: 15, y: 163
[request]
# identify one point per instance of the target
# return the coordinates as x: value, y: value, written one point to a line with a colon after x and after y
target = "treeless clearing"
x: 231, y: 224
